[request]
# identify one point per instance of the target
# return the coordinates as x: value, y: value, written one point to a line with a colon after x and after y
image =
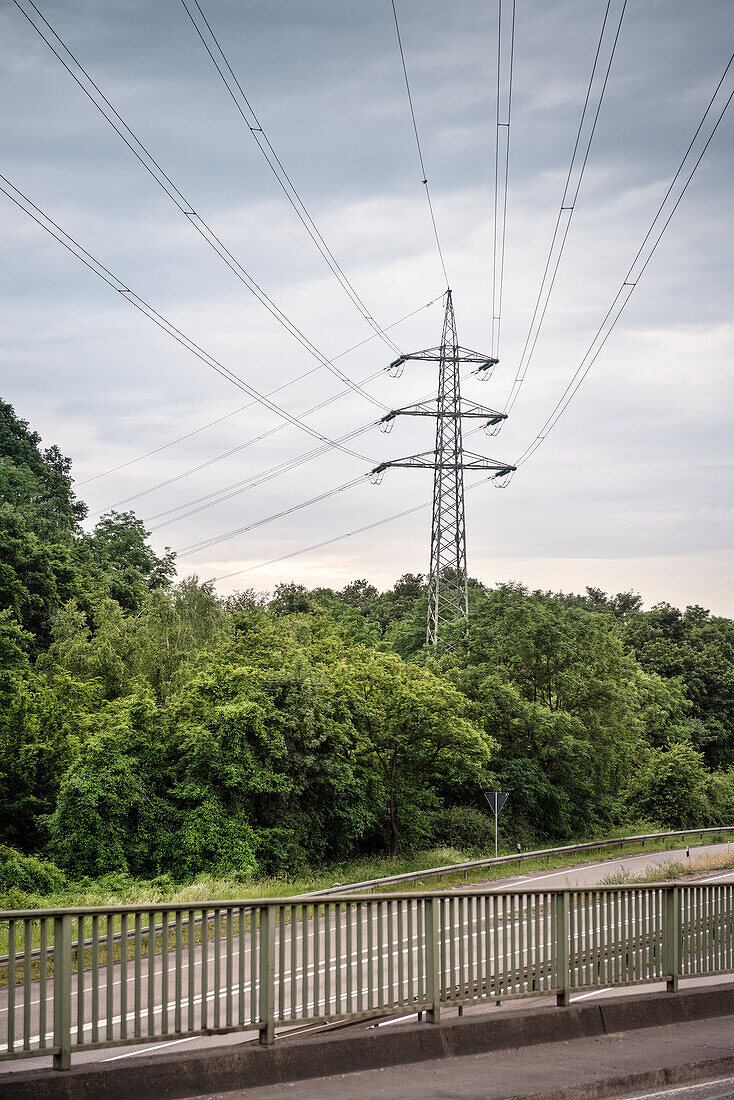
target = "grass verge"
x: 673, y: 869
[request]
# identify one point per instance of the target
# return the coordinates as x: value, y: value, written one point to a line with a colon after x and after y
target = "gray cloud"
x: 632, y: 489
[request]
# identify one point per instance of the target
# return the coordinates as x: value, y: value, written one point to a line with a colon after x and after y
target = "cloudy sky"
x: 632, y: 489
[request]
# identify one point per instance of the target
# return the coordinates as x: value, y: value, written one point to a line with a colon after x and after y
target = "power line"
x: 263, y: 435
x: 243, y: 446
x: 251, y: 404
x: 206, y: 544
x: 338, y: 538
x: 53, y: 229
x: 636, y: 270
x: 228, y: 492
x: 570, y: 195
x: 502, y: 140
x: 245, y: 109
x: 424, y: 176
x: 154, y: 169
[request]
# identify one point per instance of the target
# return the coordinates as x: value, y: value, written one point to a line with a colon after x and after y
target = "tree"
x: 36, y: 482
x: 672, y: 788
x: 560, y: 696
x: 259, y: 735
x: 360, y: 594
x: 132, y: 568
x: 104, y: 814
x: 40, y: 721
x: 292, y: 599
x: 417, y: 731
x: 697, y: 649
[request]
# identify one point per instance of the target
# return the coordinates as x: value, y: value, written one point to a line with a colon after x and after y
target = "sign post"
x: 496, y: 800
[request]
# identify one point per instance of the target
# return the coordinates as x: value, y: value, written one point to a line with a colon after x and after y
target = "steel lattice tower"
x: 447, y: 584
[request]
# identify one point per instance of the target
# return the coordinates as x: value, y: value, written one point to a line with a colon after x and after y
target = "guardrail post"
x: 433, y: 980
x: 267, y: 974
x: 562, y: 903
x: 671, y: 937
x: 62, y: 992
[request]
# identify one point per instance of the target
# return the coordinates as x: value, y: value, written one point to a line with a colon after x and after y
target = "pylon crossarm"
x: 435, y: 355
x: 429, y: 461
x: 473, y: 411
x: 469, y: 409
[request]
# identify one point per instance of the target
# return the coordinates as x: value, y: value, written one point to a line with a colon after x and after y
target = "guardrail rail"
x: 417, y: 877
x: 108, y: 977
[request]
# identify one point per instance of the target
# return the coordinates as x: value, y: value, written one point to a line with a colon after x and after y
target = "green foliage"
x: 697, y: 649
x: 130, y: 567
x: 152, y: 728
x: 28, y: 874
x: 35, y: 482
x: 414, y: 729
x: 556, y: 690
x: 721, y: 796
x: 104, y: 816
x: 672, y: 788
x: 39, y: 720
x: 461, y: 827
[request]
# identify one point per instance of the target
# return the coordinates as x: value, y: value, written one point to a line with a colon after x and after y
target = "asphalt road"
x: 719, y: 1088
x: 589, y: 1064
x: 382, y: 971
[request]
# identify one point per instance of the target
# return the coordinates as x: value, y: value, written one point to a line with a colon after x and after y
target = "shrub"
x: 461, y: 827
x: 28, y: 874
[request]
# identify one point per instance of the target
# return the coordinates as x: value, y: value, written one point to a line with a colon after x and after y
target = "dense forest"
x: 152, y: 727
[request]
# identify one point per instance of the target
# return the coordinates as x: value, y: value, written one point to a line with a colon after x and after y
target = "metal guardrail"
x: 261, y: 965
x: 416, y: 877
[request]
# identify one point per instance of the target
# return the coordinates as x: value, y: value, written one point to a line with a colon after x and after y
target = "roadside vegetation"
x: 158, y: 742
x: 691, y: 867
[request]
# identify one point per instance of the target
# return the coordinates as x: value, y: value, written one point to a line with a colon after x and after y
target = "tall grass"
x: 113, y: 890
x: 673, y: 869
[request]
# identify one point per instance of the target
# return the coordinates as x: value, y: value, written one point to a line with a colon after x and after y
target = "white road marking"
x: 594, y: 993
x: 687, y: 1088
x: 522, y: 881
x: 156, y: 1046
x: 518, y: 880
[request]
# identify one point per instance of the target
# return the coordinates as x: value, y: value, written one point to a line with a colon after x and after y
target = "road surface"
x: 304, y: 957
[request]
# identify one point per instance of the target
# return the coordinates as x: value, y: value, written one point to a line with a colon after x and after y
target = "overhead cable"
x: 79, y: 74
x: 424, y: 175
x: 692, y: 158
x: 501, y: 174
x: 244, y: 446
x: 263, y: 435
x: 338, y: 538
x: 251, y: 404
x: 53, y: 229
x: 227, y: 492
x: 232, y: 83
x: 592, y: 106
x: 206, y: 544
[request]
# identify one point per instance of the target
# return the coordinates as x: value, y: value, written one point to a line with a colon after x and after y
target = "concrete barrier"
x: 174, y: 1075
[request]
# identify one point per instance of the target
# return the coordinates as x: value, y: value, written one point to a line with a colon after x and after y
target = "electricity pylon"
x: 447, y: 583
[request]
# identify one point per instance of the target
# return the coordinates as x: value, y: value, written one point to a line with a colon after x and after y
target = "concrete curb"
x: 178, y: 1075
x: 632, y: 1082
